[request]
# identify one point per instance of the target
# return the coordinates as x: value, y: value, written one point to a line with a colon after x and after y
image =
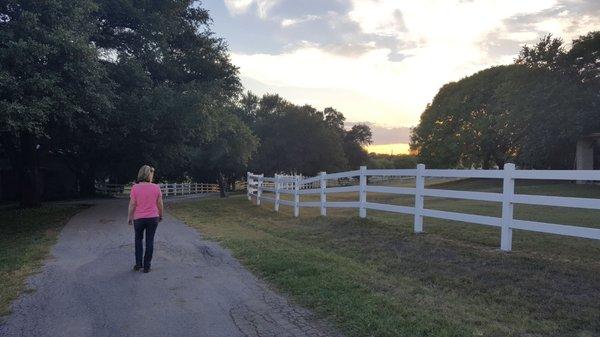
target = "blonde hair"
x: 144, y: 173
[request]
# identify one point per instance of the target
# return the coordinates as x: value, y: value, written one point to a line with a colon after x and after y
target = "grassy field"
x: 374, y: 277
x: 26, y: 236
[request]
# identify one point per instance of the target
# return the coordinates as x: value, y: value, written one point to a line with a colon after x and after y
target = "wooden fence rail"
x: 319, y: 185
x: 167, y: 189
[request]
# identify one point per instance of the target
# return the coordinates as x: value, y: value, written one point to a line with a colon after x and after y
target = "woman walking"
x: 145, y: 212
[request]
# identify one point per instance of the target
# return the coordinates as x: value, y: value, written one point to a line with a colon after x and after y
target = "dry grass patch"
x: 374, y: 277
x: 26, y: 236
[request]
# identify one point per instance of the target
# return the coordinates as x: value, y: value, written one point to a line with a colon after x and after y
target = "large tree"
x: 532, y: 116
x: 225, y: 156
x: 173, y: 77
x: 109, y: 85
x: 293, y: 139
x: 54, y: 93
x: 355, y: 139
x: 531, y: 113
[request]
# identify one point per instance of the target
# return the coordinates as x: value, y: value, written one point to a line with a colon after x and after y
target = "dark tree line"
x: 301, y: 139
x: 96, y: 88
x: 531, y: 113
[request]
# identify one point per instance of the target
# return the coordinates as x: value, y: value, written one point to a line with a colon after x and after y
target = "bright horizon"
x: 382, y: 61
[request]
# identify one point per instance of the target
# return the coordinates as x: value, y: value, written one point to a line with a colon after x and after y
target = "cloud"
x: 237, y: 7
x: 386, y: 59
x: 292, y: 22
x: 370, y: 75
x: 567, y: 19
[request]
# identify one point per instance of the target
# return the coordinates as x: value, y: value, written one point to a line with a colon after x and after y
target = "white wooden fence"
x: 297, y: 186
x: 188, y: 188
x: 167, y: 189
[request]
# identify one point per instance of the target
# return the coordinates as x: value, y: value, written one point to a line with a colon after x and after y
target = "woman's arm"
x: 130, y: 211
x: 159, y: 203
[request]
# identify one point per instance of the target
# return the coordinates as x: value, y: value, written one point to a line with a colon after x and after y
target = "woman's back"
x: 145, y: 195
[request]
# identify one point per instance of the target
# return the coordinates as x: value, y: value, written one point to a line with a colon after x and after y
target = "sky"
x: 381, y: 61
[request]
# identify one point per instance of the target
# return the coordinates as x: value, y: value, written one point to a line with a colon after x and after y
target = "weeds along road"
x: 87, y: 287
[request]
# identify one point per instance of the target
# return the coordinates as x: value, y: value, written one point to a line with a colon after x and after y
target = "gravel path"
x: 87, y: 287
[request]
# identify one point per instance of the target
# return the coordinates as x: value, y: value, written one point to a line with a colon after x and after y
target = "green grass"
x: 26, y: 236
x: 374, y: 277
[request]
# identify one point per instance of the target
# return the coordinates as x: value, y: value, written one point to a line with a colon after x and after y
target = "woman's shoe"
x: 136, y: 267
x: 147, y: 270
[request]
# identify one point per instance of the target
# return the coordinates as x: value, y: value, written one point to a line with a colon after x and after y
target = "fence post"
x: 297, y: 196
x: 419, y: 187
x: 362, y: 194
x: 323, y: 185
x: 248, y: 192
x: 276, y: 193
x: 259, y: 189
x: 508, y: 191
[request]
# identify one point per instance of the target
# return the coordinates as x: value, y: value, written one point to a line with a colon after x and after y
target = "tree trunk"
x: 87, y: 180
x: 222, y: 185
x: 30, y: 180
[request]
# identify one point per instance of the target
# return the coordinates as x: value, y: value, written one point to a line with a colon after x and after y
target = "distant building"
x: 587, y: 156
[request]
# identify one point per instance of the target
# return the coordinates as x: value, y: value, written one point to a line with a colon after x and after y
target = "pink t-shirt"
x: 145, y: 197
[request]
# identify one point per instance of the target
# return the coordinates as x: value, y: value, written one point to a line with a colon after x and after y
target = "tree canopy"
x: 100, y: 87
x: 106, y: 86
x: 301, y: 139
x: 531, y: 113
x: 55, y: 96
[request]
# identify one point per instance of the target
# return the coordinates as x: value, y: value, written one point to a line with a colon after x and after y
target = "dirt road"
x: 87, y: 287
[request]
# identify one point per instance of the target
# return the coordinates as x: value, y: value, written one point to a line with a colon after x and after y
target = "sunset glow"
x: 400, y: 148
x: 383, y: 61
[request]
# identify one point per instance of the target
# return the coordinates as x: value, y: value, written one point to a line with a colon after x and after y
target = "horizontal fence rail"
x: 167, y: 189
x: 356, y: 181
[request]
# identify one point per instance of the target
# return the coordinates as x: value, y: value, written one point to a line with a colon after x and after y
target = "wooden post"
x: 419, y: 187
x: 277, y: 195
x: 259, y: 189
x: 362, y: 194
x: 323, y: 185
x: 508, y: 191
x: 297, y: 196
x: 248, y: 184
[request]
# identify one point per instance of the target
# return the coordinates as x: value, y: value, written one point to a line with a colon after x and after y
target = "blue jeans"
x: 140, y: 225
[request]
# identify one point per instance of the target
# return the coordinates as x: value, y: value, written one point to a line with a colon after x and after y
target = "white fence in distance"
x: 167, y: 189
x: 297, y: 186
